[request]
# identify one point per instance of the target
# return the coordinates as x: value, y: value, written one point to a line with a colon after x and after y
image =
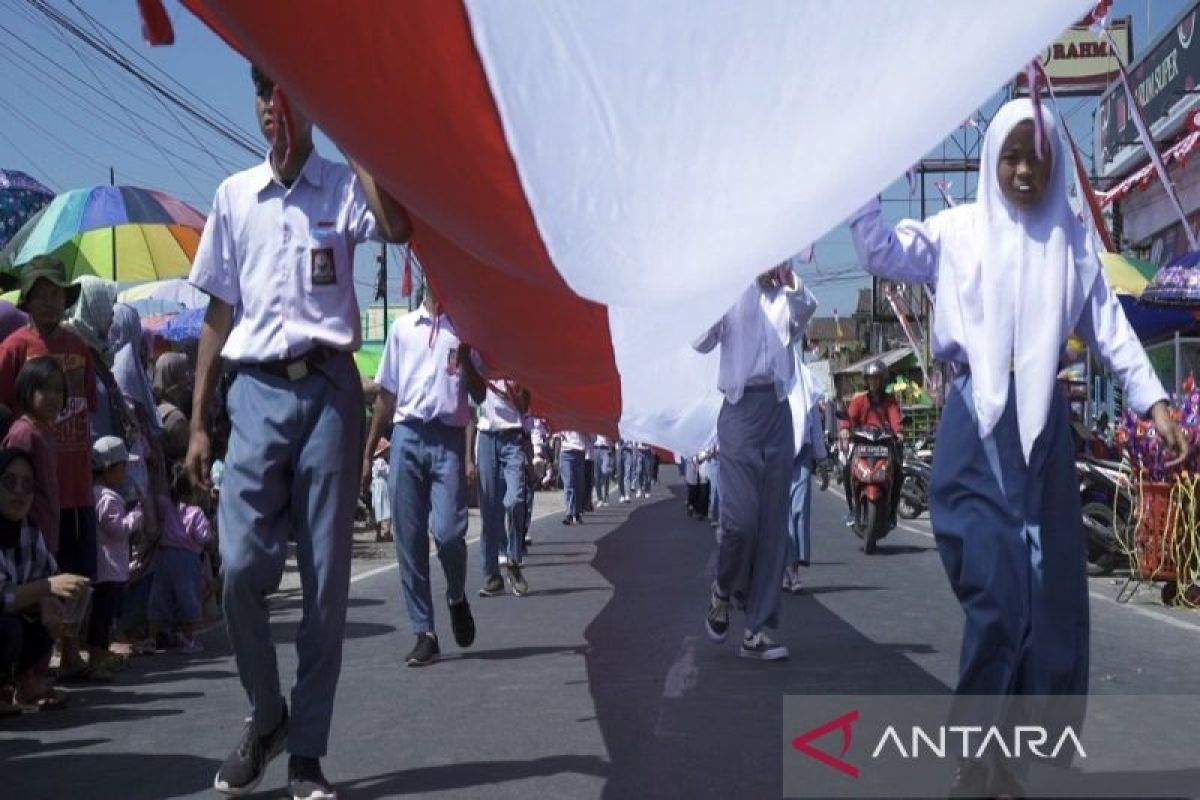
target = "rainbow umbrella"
x: 20, y: 198
x: 1130, y: 278
x: 174, y: 290
x: 122, y: 233
x: 1125, y: 275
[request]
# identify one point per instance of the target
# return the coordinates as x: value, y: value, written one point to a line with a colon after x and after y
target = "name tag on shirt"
x: 322, y: 263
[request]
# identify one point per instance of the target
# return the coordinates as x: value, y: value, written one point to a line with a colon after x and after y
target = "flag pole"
x: 112, y: 181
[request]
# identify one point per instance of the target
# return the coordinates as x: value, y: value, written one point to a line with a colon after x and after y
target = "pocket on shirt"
x: 326, y: 264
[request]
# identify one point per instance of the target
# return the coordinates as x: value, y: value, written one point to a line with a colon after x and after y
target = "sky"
x: 69, y: 116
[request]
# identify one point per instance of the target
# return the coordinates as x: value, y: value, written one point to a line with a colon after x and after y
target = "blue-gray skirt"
x: 1012, y: 541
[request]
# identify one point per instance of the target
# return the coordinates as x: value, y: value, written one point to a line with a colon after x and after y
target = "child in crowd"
x: 45, y: 295
x: 30, y: 592
x: 116, y: 524
x: 178, y: 582
x: 41, y: 397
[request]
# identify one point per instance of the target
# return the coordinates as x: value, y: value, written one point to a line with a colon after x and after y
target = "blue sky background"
x: 69, y: 115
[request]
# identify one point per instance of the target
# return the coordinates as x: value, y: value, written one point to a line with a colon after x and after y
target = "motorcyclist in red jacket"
x: 873, y: 407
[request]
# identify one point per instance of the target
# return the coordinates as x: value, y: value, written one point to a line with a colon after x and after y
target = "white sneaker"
x: 624, y: 498
x: 759, y: 646
x: 502, y: 560
x: 795, y: 576
x: 787, y: 579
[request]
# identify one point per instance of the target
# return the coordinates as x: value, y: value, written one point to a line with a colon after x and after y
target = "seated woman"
x: 30, y: 592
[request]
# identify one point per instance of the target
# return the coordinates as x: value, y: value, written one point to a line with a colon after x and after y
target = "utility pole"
x: 112, y: 181
x: 381, y: 288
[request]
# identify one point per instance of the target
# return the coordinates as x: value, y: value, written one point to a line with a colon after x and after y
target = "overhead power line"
x: 233, y: 135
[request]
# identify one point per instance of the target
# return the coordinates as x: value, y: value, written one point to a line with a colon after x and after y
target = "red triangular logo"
x: 844, y: 723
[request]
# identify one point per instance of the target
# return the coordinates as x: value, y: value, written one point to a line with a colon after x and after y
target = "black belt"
x: 298, y: 368
x: 504, y: 431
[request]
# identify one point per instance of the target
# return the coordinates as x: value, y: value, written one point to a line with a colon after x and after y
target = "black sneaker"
x: 716, y: 623
x: 425, y: 652
x: 244, y: 767
x: 761, y: 647
x: 492, y: 587
x: 306, y: 781
x: 579, y: 519
x: 568, y: 519
x: 520, y: 587
x: 462, y: 623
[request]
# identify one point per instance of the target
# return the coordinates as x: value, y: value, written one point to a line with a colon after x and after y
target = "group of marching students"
x: 92, y: 506
x: 106, y: 550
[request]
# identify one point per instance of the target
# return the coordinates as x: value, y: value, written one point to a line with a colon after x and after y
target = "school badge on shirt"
x: 322, y: 264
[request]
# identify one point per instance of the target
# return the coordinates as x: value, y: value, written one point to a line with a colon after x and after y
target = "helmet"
x: 876, y: 367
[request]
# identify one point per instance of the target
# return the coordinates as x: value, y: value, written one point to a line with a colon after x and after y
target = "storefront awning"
x: 1178, y: 152
x: 889, y: 359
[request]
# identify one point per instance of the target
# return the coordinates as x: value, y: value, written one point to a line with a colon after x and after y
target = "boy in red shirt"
x: 45, y: 296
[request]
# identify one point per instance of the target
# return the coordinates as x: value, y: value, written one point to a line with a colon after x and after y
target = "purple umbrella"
x: 10, y: 319
x: 20, y: 198
x: 1177, y: 284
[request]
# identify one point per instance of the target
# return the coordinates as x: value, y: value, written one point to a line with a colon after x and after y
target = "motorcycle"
x: 914, y: 487
x: 1107, y: 510
x: 872, y: 484
x: 830, y: 468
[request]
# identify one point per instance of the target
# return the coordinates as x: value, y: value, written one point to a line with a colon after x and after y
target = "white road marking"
x: 681, y: 677
x: 362, y: 576
x: 1151, y: 613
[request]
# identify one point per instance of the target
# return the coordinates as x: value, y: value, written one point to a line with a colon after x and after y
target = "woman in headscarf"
x: 91, y: 319
x: 173, y: 380
x: 1016, y: 273
x: 147, y: 477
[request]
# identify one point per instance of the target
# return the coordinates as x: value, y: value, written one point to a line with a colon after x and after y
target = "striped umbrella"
x: 1129, y: 278
x: 122, y: 233
x: 175, y: 290
x: 1126, y: 275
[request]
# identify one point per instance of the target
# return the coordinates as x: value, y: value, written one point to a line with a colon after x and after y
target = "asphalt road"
x: 598, y: 684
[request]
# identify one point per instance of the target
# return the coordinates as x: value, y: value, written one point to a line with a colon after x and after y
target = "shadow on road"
x: 684, y: 718
x: 467, y: 774
x: 108, y: 776
x: 513, y: 652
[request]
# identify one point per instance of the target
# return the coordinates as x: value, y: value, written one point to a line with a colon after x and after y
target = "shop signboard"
x: 1078, y: 63
x: 1165, y: 84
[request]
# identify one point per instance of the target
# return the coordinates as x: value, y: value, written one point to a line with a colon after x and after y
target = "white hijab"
x: 1023, y: 283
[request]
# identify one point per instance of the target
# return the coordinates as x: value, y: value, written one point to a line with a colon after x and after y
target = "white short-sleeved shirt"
x: 602, y: 441
x: 420, y: 367
x: 284, y: 259
x: 574, y: 440
x: 497, y: 412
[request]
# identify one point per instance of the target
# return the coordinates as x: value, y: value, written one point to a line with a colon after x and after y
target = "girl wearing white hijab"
x: 1016, y: 274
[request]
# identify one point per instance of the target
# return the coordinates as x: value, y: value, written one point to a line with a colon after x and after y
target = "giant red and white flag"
x: 593, y: 182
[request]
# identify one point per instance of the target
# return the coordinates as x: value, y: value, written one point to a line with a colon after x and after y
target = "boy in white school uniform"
x: 425, y: 375
x: 277, y: 259
x: 501, y: 457
x: 754, y: 433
